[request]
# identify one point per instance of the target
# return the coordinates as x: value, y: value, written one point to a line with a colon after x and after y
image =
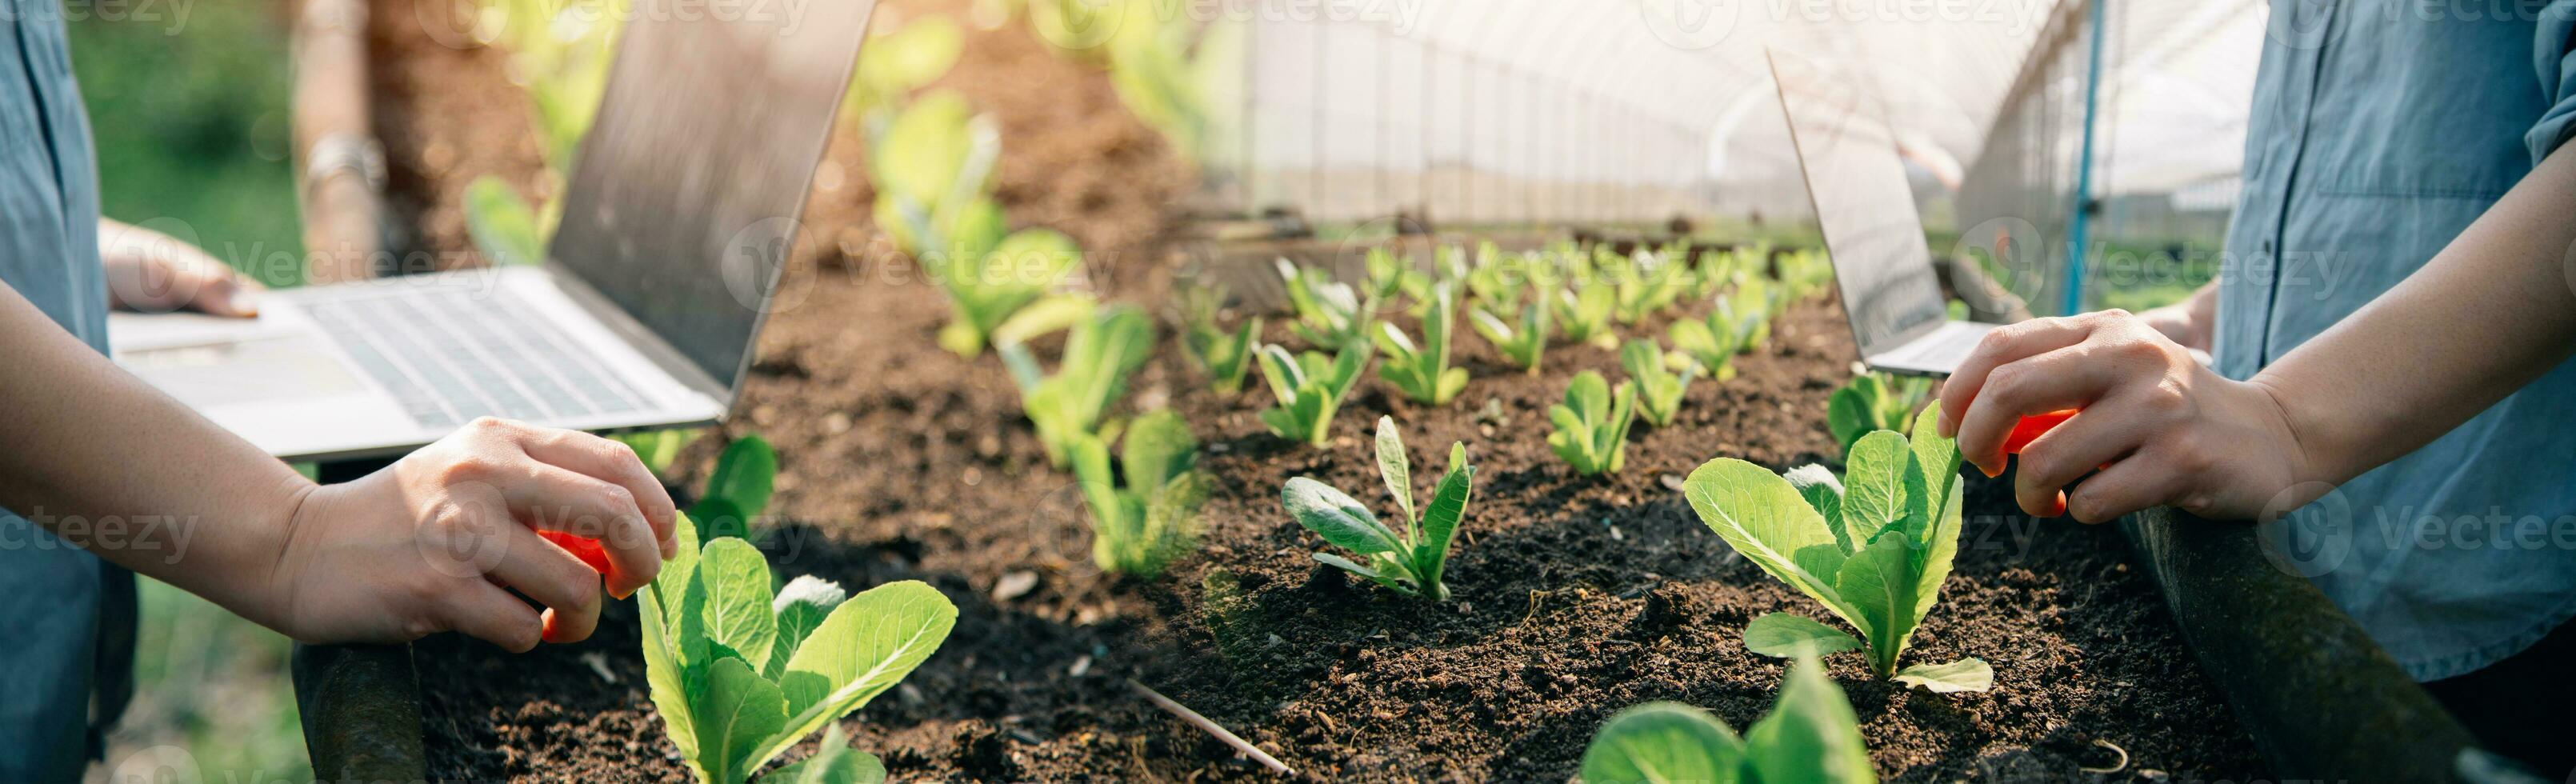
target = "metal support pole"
x: 2077, y: 236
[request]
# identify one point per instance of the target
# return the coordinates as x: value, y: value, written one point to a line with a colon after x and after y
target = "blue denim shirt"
x: 2380, y: 130
x: 49, y: 592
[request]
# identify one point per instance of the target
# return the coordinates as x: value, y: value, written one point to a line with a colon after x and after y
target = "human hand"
x: 430, y: 543
x: 150, y: 271
x: 2160, y: 428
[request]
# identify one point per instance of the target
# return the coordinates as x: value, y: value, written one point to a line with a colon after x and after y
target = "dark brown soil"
x: 420, y: 54
x: 1574, y: 596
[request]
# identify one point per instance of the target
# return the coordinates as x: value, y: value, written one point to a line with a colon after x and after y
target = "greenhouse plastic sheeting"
x: 1624, y: 110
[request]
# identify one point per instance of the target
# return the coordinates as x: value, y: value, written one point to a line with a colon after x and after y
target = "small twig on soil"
x: 1202, y: 722
x: 2115, y: 767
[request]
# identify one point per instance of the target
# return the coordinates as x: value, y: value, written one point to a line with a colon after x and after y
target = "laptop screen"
x: 1863, y: 204
x: 686, y: 192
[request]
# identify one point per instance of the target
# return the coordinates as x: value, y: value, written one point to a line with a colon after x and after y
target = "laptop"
x: 684, y: 199
x: 1882, y: 268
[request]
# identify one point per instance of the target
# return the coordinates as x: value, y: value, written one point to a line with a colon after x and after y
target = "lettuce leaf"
x: 1873, y: 546
x: 712, y: 636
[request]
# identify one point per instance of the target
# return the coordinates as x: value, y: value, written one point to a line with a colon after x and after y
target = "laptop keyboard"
x: 451, y: 356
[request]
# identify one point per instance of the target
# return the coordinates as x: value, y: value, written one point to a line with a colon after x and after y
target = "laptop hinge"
x: 646, y: 342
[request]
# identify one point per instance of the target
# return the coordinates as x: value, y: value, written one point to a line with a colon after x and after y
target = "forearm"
x: 113, y: 466
x: 2493, y: 311
x: 2202, y: 307
x: 2190, y: 321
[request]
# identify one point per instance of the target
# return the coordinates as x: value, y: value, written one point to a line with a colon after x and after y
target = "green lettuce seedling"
x: 1309, y: 388
x: 1330, y: 314
x: 1148, y: 55
x: 1525, y: 344
x: 1713, y: 269
x: 1583, y: 312
x: 933, y: 162
x: 895, y: 64
x: 1659, y: 390
x: 1448, y: 268
x: 1750, y: 306
x: 1712, y: 344
x: 1410, y: 561
x: 833, y: 762
x: 1103, y: 346
x: 1140, y: 528
x: 1646, y: 283
x: 1811, y: 736
x: 657, y: 448
x: 1717, y: 338
x: 1873, y: 401
x: 1496, y: 279
x: 990, y: 280
x: 1226, y: 357
x: 1422, y: 371
x: 738, y: 675
x: 738, y: 491
x: 1592, y: 424
x: 1873, y: 546
x: 1806, y: 274
x: 1387, y: 274
x: 1392, y: 277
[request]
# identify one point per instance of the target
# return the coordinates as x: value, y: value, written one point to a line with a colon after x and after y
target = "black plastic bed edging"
x: 2322, y: 701
x: 360, y: 707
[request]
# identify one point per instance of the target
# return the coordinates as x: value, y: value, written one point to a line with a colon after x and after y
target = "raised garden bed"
x: 1574, y: 597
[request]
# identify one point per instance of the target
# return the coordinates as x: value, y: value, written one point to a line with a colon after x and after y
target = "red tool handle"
x: 588, y: 550
x: 2029, y: 428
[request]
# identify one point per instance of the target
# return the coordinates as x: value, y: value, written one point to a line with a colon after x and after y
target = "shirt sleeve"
x: 2554, y: 54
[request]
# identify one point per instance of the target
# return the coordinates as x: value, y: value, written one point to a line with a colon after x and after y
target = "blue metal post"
x: 2076, y: 237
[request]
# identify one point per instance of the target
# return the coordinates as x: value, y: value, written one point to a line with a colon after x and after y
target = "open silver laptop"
x: 683, y: 201
x: 1889, y: 290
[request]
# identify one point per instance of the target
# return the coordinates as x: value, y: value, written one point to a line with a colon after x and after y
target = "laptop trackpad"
x: 207, y: 376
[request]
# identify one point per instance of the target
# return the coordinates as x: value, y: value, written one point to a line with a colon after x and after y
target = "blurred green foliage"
x: 899, y: 62
x: 559, y: 51
x: 190, y: 116
x: 1146, y: 49
x: 211, y: 685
